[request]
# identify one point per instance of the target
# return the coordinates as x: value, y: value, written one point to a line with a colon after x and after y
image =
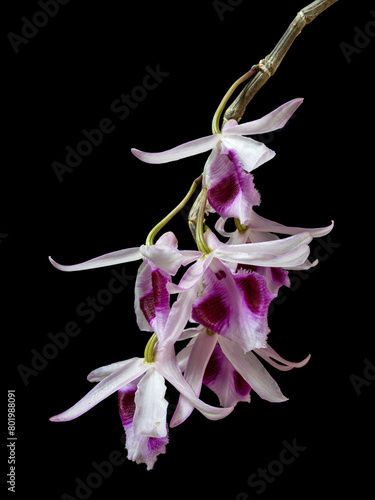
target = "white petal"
x: 108, y: 259
x: 291, y: 251
x: 150, y: 417
x: 283, y: 364
x: 259, y: 223
x: 178, y: 317
x: 184, y: 150
x: 252, y: 370
x: 100, y: 373
x: 163, y: 257
x: 273, y: 121
x: 168, y: 367
x: 127, y: 373
x: 199, y: 357
x: 251, y: 154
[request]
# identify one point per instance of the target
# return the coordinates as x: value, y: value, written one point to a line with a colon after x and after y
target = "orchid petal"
x: 201, y: 352
x: 193, y: 275
x: 189, y: 256
x: 183, y: 356
x: 101, y: 373
x: 163, y: 257
x: 108, y: 259
x: 168, y: 239
x: 144, y: 306
x: 191, y: 332
x: 282, y: 364
x: 250, y: 154
x: 184, y: 150
x: 268, y: 123
x: 234, y: 305
x: 151, y: 302
x: 221, y: 377
x: 128, y: 372
x: 259, y: 223
x: 286, y: 252
x: 178, y: 317
x: 167, y: 365
x: 275, y: 277
x: 252, y: 370
x: 141, y: 449
x: 150, y: 417
x: 231, y: 190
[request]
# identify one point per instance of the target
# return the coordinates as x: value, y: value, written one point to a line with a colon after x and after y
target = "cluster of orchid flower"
x: 219, y: 306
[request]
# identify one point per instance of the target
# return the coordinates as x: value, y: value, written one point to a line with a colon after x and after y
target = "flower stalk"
x: 154, y: 231
x: 220, y: 109
x: 200, y: 229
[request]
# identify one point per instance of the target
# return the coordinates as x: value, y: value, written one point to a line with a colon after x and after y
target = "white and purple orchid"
x: 226, y: 174
x: 231, y: 373
x: 225, y: 289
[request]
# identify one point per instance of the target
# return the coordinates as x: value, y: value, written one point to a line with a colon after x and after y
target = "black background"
x: 64, y: 80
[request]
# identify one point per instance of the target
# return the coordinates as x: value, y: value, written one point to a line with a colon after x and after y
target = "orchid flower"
x: 164, y: 255
x: 222, y: 365
x: 160, y: 261
x: 231, y: 191
x: 259, y: 230
x: 235, y: 303
x: 141, y: 386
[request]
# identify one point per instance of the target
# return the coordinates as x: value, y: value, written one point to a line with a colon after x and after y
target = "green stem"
x: 199, y: 235
x: 149, y: 349
x: 162, y: 223
x: 220, y: 109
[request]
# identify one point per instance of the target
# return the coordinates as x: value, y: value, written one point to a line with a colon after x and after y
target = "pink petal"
x: 275, y: 276
x: 231, y: 189
x: 221, y: 377
x: 273, y: 121
x: 234, y: 305
x: 184, y: 150
x: 152, y: 298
